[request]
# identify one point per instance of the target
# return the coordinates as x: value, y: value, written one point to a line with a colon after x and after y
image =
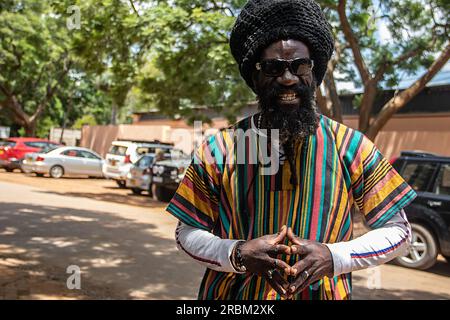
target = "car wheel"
x: 136, y: 191
x: 163, y: 194
x: 56, y: 172
x: 150, y: 191
x: 9, y: 170
x: 423, y: 251
x: 121, y: 184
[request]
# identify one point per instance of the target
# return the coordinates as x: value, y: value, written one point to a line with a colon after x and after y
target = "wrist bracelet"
x: 238, y: 258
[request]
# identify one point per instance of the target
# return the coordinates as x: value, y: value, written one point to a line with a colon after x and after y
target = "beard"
x: 295, y: 123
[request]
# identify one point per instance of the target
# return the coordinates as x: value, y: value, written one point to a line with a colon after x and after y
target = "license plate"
x: 157, y: 179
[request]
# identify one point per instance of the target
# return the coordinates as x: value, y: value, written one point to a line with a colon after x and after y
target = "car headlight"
x: 158, y: 169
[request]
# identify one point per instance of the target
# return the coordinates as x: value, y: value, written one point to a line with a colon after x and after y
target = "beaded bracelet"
x: 238, y: 257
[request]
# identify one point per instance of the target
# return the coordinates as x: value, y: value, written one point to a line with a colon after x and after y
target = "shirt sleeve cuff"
x: 342, y: 261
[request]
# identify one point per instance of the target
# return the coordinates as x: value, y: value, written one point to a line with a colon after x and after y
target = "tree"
x: 34, y: 60
x: 191, y: 64
x: 419, y: 30
x: 110, y: 45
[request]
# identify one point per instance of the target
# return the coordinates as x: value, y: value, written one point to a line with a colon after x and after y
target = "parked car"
x: 13, y: 150
x: 167, y: 175
x: 123, y: 154
x: 64, y: 161
x: 140, y: 176
x: 429, y: 214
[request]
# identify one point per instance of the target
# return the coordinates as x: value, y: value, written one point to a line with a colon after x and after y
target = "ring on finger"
x: 270, y: 273
x: 305, y: 275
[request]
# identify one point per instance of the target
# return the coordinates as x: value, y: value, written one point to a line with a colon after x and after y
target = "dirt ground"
x: 124, y: 246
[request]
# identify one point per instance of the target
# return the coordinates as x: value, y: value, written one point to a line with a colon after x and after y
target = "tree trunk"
x: 365, y: 109
x: 114, y: 113
x: 401, y: 99
x: 323, y: 104
x: 30, y: 129
x: 333, y: 97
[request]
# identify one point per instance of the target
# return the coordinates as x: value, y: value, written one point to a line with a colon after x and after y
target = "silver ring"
x: 269, y: 273
x: 305, y: 274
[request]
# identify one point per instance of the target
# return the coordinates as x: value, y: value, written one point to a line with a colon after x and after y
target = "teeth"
x: 287, y: 97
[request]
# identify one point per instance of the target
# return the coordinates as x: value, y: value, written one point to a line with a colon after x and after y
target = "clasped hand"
x: 260, y: 256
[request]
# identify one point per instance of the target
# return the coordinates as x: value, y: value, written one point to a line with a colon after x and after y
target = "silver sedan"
x: 64, y: 161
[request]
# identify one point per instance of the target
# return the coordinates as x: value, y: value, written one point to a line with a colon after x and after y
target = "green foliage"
x: 88, y: 119
x: 174, y: 55
x: 33, y: 50
x: 193, y: 59
x: 413, y: 25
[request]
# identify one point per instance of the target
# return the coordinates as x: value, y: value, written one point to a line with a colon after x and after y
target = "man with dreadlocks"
x: 287, y: 233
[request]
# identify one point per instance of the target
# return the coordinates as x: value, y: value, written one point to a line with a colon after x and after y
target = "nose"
x: 287, y: 78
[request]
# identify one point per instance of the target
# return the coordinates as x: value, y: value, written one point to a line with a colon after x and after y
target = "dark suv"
x: 168, y: 173
x: 429, y: 214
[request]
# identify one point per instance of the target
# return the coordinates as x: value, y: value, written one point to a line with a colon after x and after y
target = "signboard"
x: 4, y: 132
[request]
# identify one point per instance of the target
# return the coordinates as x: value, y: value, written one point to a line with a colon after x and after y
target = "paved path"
x: 123, y: 251
x: 128, y: 252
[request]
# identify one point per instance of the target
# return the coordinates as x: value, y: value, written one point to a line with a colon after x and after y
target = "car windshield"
x: 145, y: 162
x: 118, y: 150
x: 49, y: 148
x: 7, y: 143
x: 178, y: 154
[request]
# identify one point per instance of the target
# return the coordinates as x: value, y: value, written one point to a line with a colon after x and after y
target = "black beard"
x: 293, y: 125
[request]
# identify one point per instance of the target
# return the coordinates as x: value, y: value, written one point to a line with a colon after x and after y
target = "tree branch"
x: 353, y: 42
x: 50, y: 92
x: 134, y: 8
x: 400, y: 100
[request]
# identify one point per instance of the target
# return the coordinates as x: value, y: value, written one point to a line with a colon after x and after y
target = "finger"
x: 299, y: 267
x: 300, y: 249
x: 305, y: 284
x: 302, y: 281
x: 278, y: 283
x: 280, y: 236
x: 291, y: 236
x: 281, y: 266
x: 278, y: 249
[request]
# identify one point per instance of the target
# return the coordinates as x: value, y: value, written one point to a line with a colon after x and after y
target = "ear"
x: 256, y: 78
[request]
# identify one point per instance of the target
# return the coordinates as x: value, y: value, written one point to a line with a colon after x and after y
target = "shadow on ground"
x: 130, y: 199
x: 364, y: 293
x: 119, y: 258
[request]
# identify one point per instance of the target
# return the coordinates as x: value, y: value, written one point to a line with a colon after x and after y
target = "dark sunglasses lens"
x: 273, y: 67
x: 302, y: 66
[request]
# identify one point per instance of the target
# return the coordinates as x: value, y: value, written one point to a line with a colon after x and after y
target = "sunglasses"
x: 276, y: 67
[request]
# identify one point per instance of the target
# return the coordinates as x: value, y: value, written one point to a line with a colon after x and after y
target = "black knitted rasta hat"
x: 263, y: 22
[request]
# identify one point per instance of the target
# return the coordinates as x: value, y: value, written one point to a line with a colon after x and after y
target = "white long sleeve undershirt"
x: 374, y: 248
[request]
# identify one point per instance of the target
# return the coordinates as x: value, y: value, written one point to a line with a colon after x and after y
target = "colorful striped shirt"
x: 336, y: 168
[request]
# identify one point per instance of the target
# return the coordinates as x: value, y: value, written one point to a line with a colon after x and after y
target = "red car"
x: 13, y: 150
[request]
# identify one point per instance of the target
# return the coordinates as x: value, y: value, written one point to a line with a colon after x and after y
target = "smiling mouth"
x: 287, y: 97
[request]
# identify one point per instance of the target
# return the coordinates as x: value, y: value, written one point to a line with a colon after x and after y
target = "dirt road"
x: 123, y: 245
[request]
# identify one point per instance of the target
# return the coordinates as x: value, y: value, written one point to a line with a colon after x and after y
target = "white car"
x: 64, y: 161
x: 123, y: 154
